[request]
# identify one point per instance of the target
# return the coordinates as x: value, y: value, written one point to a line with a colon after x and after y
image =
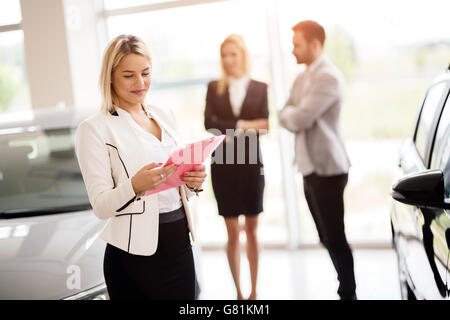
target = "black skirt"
x: 169, y: 274
x: 238, y: 189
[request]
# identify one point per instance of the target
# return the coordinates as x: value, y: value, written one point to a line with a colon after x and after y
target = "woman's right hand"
x: 149, y: 178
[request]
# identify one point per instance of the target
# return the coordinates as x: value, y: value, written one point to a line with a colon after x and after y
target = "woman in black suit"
x: 237, y: 106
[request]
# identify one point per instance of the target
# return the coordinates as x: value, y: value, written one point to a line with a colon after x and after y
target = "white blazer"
x: 110, y: 154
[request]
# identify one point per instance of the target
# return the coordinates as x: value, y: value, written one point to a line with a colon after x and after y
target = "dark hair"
x: 311, y: 30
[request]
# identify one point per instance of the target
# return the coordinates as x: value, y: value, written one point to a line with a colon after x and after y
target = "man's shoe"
x: 352, y: 297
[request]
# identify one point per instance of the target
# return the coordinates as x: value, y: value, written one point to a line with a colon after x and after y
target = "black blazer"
x: 219, y: 114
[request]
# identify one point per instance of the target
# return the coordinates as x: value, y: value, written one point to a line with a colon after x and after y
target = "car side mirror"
x: 424, y: 189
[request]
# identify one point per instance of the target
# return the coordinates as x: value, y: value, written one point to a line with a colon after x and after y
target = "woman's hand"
x: 195, y: 179
x: 149, y: 178
x: 259, y: 125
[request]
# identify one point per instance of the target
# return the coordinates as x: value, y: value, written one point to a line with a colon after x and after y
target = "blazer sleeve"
x: 296, y: 83
x: 322, y: 95
x: 212, y: 120
x: 106, y: 199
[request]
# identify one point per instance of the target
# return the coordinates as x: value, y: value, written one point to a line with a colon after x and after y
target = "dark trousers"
x: 325, y: 198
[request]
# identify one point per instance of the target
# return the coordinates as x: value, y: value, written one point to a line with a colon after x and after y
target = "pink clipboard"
x: 185, y: 159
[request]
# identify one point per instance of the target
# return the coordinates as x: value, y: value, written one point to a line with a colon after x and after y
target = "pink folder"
x: 186, y: 159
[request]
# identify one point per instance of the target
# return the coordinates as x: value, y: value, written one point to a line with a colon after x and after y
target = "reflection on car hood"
x: 59, y: 116
x: 42, y: 257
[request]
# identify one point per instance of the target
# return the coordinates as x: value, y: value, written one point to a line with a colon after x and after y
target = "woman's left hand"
x: 195, y: 178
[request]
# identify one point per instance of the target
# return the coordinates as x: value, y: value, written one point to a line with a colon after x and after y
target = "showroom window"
x: 120, y: 4
x: 387, y: 70
x: 184, y: 41
x: 14, y: 91
x: 388, y: 61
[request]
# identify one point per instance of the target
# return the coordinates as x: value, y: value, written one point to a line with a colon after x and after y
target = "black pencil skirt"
x: 238, y: 186
x: 238, y: 189
x: 169, y: 274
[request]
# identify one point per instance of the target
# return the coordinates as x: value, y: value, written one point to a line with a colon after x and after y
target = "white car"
x: 49, y: 245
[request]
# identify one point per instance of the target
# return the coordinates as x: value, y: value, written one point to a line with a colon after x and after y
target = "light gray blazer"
x: 315, y: 113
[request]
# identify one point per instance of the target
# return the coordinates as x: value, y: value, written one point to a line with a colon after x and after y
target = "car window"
x: 427, y: 116
x: 39, y: 170
x: 440, y: 158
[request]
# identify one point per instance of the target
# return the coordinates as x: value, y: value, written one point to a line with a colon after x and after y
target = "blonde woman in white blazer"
x: 120, y: 149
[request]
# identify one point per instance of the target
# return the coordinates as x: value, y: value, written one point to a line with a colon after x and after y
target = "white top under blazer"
x: 237, y: 90
x: 156, y: 151
x: 110, y: 153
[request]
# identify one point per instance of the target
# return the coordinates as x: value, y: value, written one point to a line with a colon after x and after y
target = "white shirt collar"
x: 241, y: 80
x: 122, y: 112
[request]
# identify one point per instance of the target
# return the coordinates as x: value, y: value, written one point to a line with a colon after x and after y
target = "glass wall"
x: 185, y: 49
x: 10, y: 12
x: 120, y: 4
x: 14, y: 91
x: 388, y: 54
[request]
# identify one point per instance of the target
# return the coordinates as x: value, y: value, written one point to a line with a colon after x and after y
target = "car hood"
x: 50, y: 257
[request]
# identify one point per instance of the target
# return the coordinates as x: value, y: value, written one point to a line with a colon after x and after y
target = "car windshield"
x: 39, y: 173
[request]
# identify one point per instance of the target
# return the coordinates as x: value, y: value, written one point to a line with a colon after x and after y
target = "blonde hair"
x: 238, y: 40
x: 117, y: 49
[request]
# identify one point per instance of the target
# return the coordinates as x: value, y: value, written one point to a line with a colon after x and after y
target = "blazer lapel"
x: 246, y: 99
x: 322, y: 63
x: 128, y: 139
x: 226, y: 97
x: 169, y: 129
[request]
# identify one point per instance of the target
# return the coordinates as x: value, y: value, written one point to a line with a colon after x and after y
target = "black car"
x: 420, y: 216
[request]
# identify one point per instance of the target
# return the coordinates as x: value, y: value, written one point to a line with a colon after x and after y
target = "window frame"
x: 426, y: 159
x: 14, y: 27
x: 447, y: 99
x: 444, y: 106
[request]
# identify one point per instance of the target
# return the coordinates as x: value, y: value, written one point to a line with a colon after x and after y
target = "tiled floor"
x: 301, y: 274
